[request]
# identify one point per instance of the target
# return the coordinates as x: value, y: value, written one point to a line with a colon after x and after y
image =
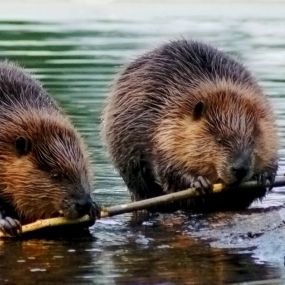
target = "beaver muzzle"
x: 77, y: 208
x: 241, y: 167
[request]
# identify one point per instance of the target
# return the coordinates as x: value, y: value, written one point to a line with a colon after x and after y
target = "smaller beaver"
x: 44, y: 169
x: 186, y: 114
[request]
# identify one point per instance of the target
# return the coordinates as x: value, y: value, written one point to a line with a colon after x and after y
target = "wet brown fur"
x: 158, y: 145
x: 53, y: 175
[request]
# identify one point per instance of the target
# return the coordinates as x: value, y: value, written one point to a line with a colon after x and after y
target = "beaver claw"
x: 10, y: 226
x: 266, y: 179
x: 202, y: 185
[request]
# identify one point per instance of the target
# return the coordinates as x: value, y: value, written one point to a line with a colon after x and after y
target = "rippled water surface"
x: 75, y: 48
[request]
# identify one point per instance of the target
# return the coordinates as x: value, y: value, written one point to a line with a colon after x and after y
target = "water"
x: 76, y: 48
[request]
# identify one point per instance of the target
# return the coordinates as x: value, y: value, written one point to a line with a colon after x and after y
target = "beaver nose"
x: 84, y: 205
x: 241, y: 165
x: 240, y: 171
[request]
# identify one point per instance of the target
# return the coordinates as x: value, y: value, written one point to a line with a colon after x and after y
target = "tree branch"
x: 135, y: 206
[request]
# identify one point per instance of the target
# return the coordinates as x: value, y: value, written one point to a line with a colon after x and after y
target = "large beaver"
x: 186, y: 114
x: 43, y: 162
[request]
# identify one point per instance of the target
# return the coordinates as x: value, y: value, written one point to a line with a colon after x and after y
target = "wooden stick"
x: 135, y: 206
x: 180, y: 195
x: 52, y: 222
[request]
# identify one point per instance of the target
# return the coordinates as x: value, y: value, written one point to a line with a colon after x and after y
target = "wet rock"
x: 260, y: 230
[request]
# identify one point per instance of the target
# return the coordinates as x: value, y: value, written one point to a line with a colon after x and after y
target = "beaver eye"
x: 23, y: 145
x: 222, y: 141
x: 56, y: 175
x: 59, y: 176
x: 198, y: 111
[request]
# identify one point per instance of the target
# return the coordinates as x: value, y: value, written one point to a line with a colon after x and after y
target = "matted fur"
x: 159, y: 146
x: 54, y: 174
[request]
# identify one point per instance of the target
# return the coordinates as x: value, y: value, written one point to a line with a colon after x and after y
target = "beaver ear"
x: 23, y: 145
x: 199, y: 110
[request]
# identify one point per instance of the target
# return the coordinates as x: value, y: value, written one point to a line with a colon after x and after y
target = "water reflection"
x: 39, y: 261
x: 154, y: 253
x: 75, y: 48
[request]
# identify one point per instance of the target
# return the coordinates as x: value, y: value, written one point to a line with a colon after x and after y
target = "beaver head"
x: 43, y: 165
x: 219, y: 132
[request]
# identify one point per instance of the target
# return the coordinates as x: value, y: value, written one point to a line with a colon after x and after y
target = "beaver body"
x: 187, y: 114
x: 43, y: 162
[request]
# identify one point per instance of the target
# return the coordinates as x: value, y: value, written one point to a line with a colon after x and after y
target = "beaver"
x: 188, y: 115
x: 44, y: 168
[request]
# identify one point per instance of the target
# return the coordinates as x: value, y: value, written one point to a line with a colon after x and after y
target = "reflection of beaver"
x: 43, y: 164
x: 186, y: 114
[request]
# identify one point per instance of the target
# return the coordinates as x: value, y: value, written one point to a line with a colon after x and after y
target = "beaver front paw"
x: 202, y: 185
x: 266, y: 179
x: 10, y: 226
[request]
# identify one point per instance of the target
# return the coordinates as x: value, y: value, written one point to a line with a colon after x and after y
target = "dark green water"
x: 76, y: 48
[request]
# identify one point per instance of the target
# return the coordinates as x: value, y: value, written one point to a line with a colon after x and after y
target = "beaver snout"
x: 240, y: 171
x: 84, y: 205
x: 241, y: 168
x: 80, y: 207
